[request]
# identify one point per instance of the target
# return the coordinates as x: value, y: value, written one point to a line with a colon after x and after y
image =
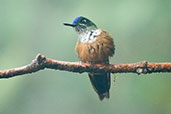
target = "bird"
x: 94, y: 46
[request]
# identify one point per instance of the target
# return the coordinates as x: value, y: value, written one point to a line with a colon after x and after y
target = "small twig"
x: 41, y: 62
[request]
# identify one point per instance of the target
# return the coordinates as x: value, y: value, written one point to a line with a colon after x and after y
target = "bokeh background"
x: 141, y: 30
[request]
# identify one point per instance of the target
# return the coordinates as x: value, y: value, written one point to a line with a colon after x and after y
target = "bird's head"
x: 82, y: 24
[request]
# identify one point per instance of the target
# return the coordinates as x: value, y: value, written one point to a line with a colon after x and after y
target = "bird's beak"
x: 71, y: 25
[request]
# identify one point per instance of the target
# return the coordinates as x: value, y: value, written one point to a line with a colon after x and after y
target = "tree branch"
x: 41, y: 62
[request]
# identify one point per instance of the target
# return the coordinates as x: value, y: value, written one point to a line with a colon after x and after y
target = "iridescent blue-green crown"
x: 76, y: 19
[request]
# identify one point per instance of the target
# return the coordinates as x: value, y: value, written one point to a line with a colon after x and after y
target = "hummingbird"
x: 94, y: 46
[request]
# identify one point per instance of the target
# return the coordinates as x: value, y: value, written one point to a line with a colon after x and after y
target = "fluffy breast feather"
x: 98, y: 51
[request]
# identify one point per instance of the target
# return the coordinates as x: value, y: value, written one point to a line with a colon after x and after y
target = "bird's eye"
x: 84, y: 21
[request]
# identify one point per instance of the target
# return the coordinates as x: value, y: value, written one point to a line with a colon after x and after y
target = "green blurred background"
x: 141, y: 30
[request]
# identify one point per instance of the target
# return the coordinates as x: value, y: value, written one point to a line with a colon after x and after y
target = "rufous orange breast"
x: 98, y: 51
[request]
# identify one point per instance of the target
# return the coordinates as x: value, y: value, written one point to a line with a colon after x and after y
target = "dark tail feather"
x: 101, y: 84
